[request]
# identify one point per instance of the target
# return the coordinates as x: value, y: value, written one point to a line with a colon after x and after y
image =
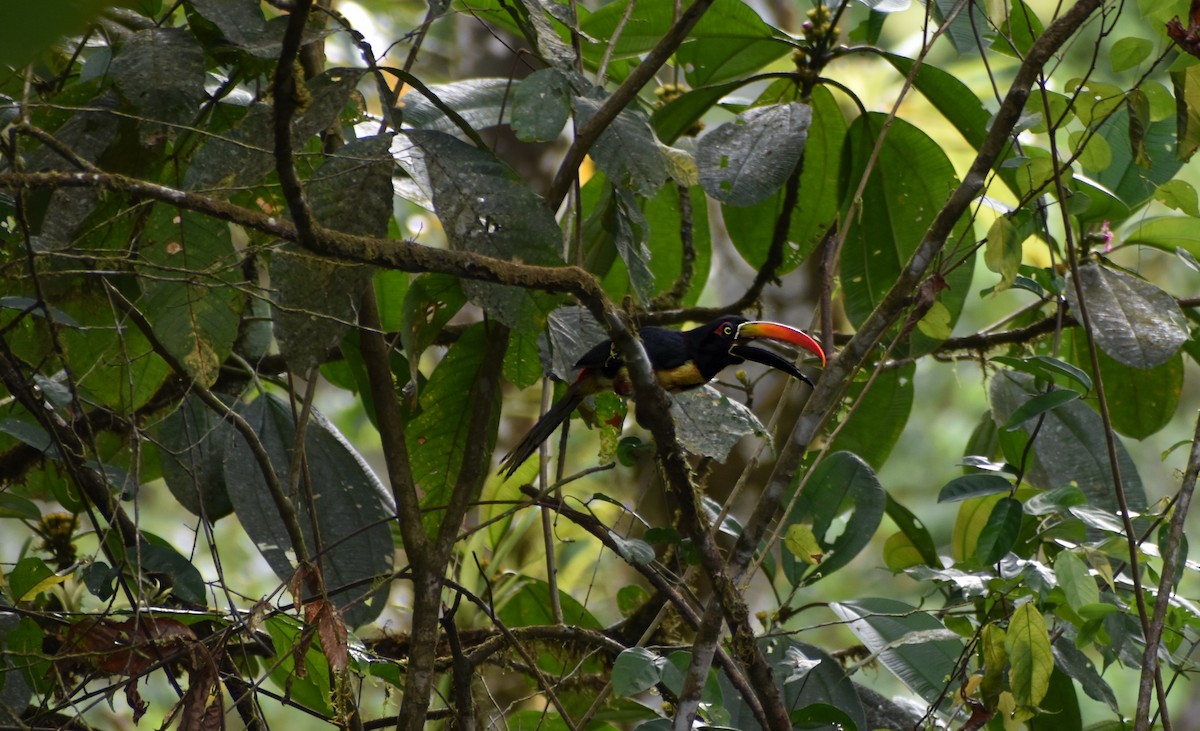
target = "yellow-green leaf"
x: 1003, y: 252
x: 1075, y: 580
x: 1028, y: 647
x: 900, y: 553
x: 802, y: 544
x: 936, y: 322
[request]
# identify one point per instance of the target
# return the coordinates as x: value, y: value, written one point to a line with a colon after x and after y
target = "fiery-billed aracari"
x: 682, y: 360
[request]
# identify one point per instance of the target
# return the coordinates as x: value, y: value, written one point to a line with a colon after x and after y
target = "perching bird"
x: 682, y: 360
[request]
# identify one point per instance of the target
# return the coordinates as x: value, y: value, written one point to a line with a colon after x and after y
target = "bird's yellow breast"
x: 680, y: 378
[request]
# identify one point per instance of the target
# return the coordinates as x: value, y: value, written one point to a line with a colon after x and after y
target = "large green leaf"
x: 437, y: 438
x: 1070, y: 446
x: 1132, y: 181
x: 909, y: 182
x: 749, y: 158
x: 752, y: 228
x: 912, y: 644
x: 842, y: 481
x: 1028, y: 646
x: 1135, y: 322
x: 1140, y: 402
x: 664, y: 216
x: 190, y: 265
x: 1165, y: 232
x: 191, y: 440
x: 874, y: 426
x: 353, y: 508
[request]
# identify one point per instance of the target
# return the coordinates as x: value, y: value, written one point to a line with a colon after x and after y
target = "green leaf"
x: 1128, y: 52
x: 802, y: 544
x: 1070, y: 447
x: 484, y: 210
x: 1047, y: 367
x: 1075, y: 580
x: 626, y: 151
x: 541, y: 105
x: 188, y: 255
x: 1140, y: 402
x: 1077, y: 665
x: 432, y: 301
x: 910, y: 181
x: 635, y: 670
x: 1003, y: 252
x: 29, y: 573
x: 1187, y: 96
x: 875, y: 425
x: 914, y: 530
x: 529, y: 606
x: 186, y: 582
x: 843, y: 480
x: 1039, y: 405
x: 1167, y: 233
x: 728, y: 42
x: 664, y: 217
x: 744, y: 161
x: 160, y: 71
x: 974, y: 485
x: 710, y: 424
x: 1131, y: 179
x: 355, y: 509
x: 522, y: 364
x: 438, y: 438
x: 307, y: 685
x: 481, y: 103
x: 677, y: 117
x: 192, y: 439
x: 1180, y: 195
x: 1135, y: 322
x: 1001, y: 531
x: 1028, y: 646
x: 16, y: 506
x: 883, y: 625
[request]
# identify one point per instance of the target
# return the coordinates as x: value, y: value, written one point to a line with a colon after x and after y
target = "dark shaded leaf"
x: 484, y: 210
x: 914, y: 530
x: 481, y: 103
x: 191, y: 440
x: 1070, y: 446
x: 1038, y: 405
x: 626, y: 151
x: 1070, y: 660
x: 1000, y: 532
x: 353, y: 513
x: 186, y: 582
x: 541, y: 105
x: 1140, y: 402
x: 748, y: 159
x: 635, y: 670
x: 974, y: 485
x: 880, y: 417
x: 161, y: 72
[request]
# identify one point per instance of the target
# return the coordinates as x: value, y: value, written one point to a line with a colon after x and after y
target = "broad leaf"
x: 710, y: 424
x: 161, y: 72
x: 1000, y: 532
x: 353, y: 507
x: 883, y: 625
x: 843, y: 480
x: 191, y: 440
x: 1028, y: 646
x: 746, y: 160
x: 541, y: 105
x: 874, y: 426
x: 973, y: 485
x: 1070, y: 446
x: 626, y: 151
x: 1140, y: 402
x: 635, y: 670
x: 1135, y: 322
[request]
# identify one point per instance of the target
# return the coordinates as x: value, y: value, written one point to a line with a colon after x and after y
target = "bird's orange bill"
x: 755, y: 330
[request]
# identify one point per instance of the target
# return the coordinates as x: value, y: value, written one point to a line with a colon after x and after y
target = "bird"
x: 681, y: 359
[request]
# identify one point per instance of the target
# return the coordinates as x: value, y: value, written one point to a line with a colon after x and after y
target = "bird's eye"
x: 727, y: 329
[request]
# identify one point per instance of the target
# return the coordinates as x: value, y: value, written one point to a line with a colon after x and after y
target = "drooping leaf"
x: 1028, y: 646
x: 914, y: 530
x: 190, y: 263
x: 1000, y: 532
x: 1135, y: 322
x: 1003, y: 252
x: 842, y: 479
x: 1038, y: 405
x: 1140, y: 402
x: 744, y: 161
x: 1078, y: 666
x: 316, y: 299
x: 1048, y: 368
x: 909, y: 183
x: 1069, y: 448
x: 191, y: 440
x: 973, y: 485
x: 635, y: 670
x: 708, y: 423
x: 626, y: 151
x: 353, y: 507
x: 882, y: 625
x: 438, y: 438
x: 244, y: 156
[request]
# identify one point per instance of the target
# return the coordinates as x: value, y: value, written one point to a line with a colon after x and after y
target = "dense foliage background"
x: 279, y: 282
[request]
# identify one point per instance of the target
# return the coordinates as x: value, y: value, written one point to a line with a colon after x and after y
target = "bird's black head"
x: 723, y: 342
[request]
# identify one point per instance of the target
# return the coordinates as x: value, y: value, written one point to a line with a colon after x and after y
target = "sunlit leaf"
x: 1028, y: 646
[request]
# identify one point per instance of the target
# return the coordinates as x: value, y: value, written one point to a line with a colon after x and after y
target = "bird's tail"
x: 541, y: 431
